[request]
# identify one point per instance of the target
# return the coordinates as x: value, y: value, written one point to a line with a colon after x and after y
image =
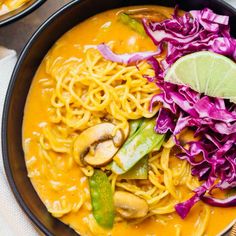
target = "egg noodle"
x: 92, y: 90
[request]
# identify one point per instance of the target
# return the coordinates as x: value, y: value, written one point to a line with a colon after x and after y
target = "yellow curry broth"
x: 60, y: 186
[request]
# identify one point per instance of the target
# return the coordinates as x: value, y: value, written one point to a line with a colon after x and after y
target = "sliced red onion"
x: 125, y: 58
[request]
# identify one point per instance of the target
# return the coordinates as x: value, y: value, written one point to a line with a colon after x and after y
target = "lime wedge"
x: 205, y: 72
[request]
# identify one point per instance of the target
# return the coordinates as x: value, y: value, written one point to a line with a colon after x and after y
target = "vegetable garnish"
x: 206, y: 72
x: 134, y: 126
x: 99, y: 139
x: 143, y: 141
x: 213, y: 119
x: 102, y: 199
x: 195, y: 31
x: 132, y: 23
x: 138, y: 171
x: 231, y: 192
x: 125, y: 58
x: 134, y: 19
x: 130, y: 206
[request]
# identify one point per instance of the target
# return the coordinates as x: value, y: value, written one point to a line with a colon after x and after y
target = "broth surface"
x: 59, y: 185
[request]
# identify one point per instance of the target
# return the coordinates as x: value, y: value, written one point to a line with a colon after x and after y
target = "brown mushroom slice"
x: 95, y: 145
x: 102, y: 154
x: 130, y: 206
x: 119, y: 138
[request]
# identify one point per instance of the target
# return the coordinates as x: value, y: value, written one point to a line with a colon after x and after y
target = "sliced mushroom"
x: 130, y: 206
x: 102, y: 154
x: 119, y: 138
x: 96, y: 146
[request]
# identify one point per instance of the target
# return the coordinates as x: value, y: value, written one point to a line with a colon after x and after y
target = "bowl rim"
x: 8, y: 96
x: 14, y: 17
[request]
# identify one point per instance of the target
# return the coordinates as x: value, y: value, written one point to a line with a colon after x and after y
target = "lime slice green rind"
x: 205, y: 72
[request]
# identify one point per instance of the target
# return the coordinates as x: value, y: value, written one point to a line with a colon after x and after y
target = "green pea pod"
x: 134, y: 149
x: 132, y: 23
x: 102, y: 199
x: 231, y: 192
x: 139, y: 171
x: 134, y: 126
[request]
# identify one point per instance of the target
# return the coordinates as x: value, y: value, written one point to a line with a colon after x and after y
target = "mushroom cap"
x: 130, y: 206
x: 102, y: 155
x: 96, y: 145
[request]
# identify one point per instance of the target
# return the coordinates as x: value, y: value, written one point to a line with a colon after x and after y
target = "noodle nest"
x: 88, y: 91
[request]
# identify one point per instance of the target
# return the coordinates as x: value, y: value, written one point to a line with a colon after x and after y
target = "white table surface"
x: 232, y: 2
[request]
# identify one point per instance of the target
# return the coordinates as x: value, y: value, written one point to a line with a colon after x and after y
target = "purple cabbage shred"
x: 213, y: 120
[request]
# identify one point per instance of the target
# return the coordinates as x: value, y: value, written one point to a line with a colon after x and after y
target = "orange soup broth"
x: 101, y: 28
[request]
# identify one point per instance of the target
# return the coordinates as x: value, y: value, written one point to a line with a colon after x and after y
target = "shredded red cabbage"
x: 212, y: 119
x: 192, y: 32
x: 216, y: 145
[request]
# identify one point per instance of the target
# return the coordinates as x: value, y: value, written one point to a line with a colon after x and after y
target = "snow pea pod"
x: 138, y: 171
x: 137, y: 146
x: 230, y: 192
x: 132, y: 23
x: 102, y: 199
x: 134, y: 126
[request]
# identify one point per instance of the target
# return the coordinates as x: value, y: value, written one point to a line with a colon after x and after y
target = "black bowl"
x: 28, y: 62
x: 20, y: 12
